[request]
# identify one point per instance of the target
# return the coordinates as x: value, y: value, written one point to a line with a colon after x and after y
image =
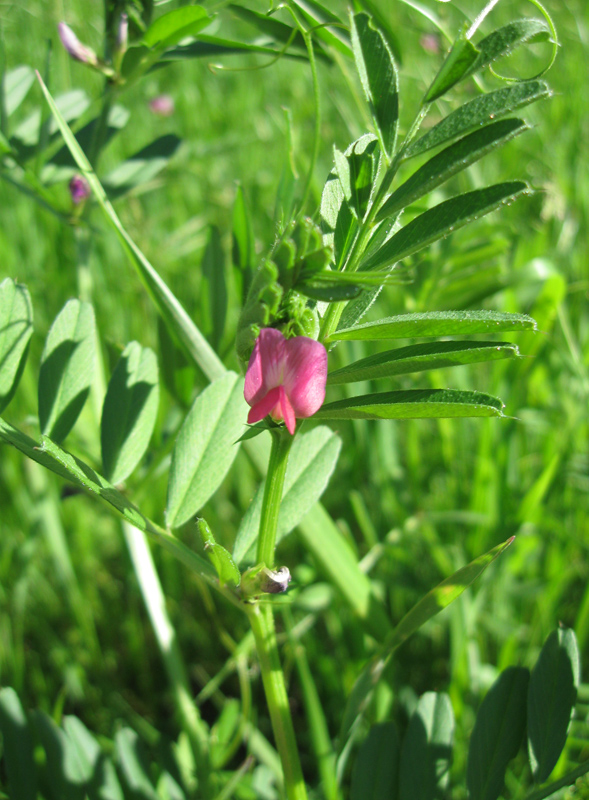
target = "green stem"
x: 261, y: 618
x: 281, y: 444
x: 334, y: 312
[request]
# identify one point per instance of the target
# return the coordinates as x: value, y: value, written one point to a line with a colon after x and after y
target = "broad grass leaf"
x: 376, y: 769
x: 133, y: 765
x: 378, y: 75
x: 170, y: 28
x: 552, y: 694
x: 285, y: 193
x: 497, y: 734
x: 214, y: 291
x: 62, y: 463
x: 426, y: 754
x: 205, y: 447
x: 177, y: 320
x: 312, y: 460
x: 479, y: 112
x: 333, y: 553
x: 18, y: 759
x: 435, y: 601
x: 67, y: 772
x: 141, y: 167
x: 129, y: 412
x: 414, y: 404
x: 219, y: 557
x: 442, y: 220
x: 15, y: 87
x: 451, y: 161
x: 437, y: 323
x: 67, y: 369
x: 16, y: 328
x: 422, y: 357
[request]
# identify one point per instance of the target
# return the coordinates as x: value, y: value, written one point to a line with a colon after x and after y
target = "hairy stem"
x: 262, y: 621
x: 281, y: 444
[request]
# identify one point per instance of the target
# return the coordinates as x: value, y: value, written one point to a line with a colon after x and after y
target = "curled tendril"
x: 555, y: 46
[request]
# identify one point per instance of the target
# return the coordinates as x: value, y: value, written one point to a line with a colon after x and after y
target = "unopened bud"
x: 261, y: 580
x: 75, y: 47
x: 79, y: 189
x: 123, y: 35
x: 162, y: 106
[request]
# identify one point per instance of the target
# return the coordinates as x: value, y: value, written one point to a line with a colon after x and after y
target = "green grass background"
x: 73, y: 630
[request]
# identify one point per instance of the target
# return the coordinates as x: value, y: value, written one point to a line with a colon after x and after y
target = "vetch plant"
x: 306, y: 293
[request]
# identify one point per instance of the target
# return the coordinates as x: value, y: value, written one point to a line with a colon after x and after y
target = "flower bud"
x: 79, y: 189
x: 261, y: 580
x: 162, y: 106
x: 122, y: 35
x: 75, y: 47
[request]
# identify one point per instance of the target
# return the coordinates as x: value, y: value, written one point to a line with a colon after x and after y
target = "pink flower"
x: 75, y: 47
x: 79, y: 189
x: 285, y: 378
x: 162, y: 106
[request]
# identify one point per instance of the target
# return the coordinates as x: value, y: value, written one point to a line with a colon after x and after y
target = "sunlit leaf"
x: 378, y: 75
x: 438, y: 323
x: 205, y: 447
x: 421, y: 357
x: 16, y: 85
x: 443, y: 219
x: 16, y: 328
x: 478, y: 112
x: 450, y: 161
x: 170, y: 28
x: 67, y: 369
x: 413, y: 404
x: 129, y: 412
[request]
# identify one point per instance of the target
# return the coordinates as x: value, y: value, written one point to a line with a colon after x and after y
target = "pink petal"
x: 287, y: 412
x: 264, y: 406
x: 277, y: 405
x: 305, y: 375
x: 265, y: 370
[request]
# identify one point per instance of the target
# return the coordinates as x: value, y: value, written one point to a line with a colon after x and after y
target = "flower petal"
x: 286, y: 412
x: 305, y: 374
x: 264, y: 406
x: 266, y: 366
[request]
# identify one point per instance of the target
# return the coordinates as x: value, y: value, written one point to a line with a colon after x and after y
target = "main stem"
x: 261, y: 616
x: 281, y: 444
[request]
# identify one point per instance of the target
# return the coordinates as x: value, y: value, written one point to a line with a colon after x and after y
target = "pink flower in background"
x: 285, y: 378
x: 75, y: 47
x: 79, y: 189
x: 163, y: 105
